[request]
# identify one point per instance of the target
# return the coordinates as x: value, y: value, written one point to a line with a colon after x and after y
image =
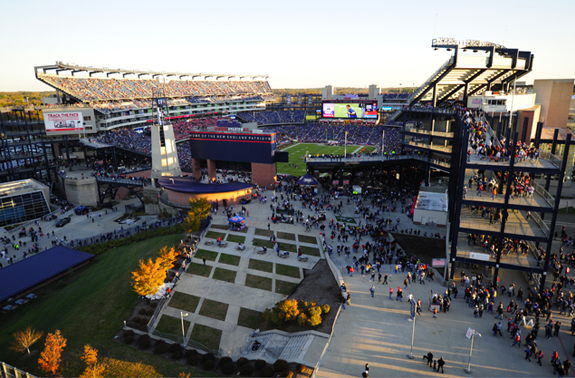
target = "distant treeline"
x: 23, y: 98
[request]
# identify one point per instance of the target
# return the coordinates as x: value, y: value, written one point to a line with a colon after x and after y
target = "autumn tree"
x: 167, y: 258
x: 24, y: 339
x: 51, y: 357
x: 148, y: 278
x: 199, y: 210
x: 93, y: 368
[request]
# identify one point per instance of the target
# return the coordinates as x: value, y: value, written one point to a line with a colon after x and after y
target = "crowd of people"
x: 269, y: 117
x: 90, y: 89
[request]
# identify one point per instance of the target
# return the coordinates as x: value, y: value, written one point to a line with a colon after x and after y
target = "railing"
x: 543, y: 193
x: 190, y: 343
x: 430, y: 146
x: 429, y: 132
x: 9, y: 371
x: 509, y: 229
x: 553, y: 159
x: 540, y: 223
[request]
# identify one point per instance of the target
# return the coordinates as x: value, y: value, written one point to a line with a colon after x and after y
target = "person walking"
x: 435, y: 312
x: 385, y: 279
x: 540, y: 356
x: 204, y: 260
x: 399, y: 293
x: 390, y: 292
x: 372, y: 290
x: 440, y: 365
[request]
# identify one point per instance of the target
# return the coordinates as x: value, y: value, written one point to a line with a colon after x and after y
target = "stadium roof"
x: 473, y: 68
x: 73, y: 68
x: 38, y: 268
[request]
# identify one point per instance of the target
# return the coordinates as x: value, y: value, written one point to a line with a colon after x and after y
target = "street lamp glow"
x: 183, y: 330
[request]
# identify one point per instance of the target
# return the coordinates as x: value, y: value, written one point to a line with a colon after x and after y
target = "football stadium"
x: 463, y: 177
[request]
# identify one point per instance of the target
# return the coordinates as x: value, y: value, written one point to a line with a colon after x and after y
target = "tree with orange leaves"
x: 93, y: 368
x: 51, y: 357
x: 167, y: 258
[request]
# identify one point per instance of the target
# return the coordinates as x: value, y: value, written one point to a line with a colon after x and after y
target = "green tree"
x: 148, y: 278
x: 24, y: 339
x: 199, y: 210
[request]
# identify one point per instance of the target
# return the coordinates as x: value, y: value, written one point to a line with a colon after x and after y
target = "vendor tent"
x: 307, y: 180
x: 237, y: 223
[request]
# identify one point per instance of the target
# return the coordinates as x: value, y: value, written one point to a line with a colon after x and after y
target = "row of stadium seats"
x: 270, y: 117
x: 100, y: 89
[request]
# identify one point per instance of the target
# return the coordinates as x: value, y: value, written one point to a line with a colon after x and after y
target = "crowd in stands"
x: 109, y: 89
x: 269, y: 117
x: 396, y: 96
x: 359, y: 134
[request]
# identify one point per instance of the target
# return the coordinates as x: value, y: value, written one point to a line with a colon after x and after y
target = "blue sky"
x: 298, y: 43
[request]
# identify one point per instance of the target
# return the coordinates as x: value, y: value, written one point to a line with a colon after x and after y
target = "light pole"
x: 183, y: 330
x: 473, y: 333
x: 410, y: 355
x: 382, y: 144
x: 345, y: 148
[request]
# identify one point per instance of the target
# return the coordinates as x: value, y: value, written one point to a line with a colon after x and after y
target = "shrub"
x: 136, y: 319
x: 129, y: 333
x: 128, y: 339
x: 288, y: 374
x: 268, y: 371
x: 208, y: 357
x: 260, y: 364
x: 194, y: 360
x: 154, y: 305
x: 142, y: 311
x: 246, y: 369
x: 280, y: 365
x: 144, y: 321
x: 314, y: 320
x: 144, y: 342
x: 178, y: 354
x: 161, y: 347
x: 325, y: 308
x: 301, y: 368
x: 209, y: 364
x: 191, y: 352
x: 289, y: 309
x: 150, y: 311
x: 302, y: 319
x: 227, y: 368
x: 174, y: 347
x: 226, y: 360
x: 242, y: 361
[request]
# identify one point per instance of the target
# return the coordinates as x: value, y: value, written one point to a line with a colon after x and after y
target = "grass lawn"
x: 229, y: 259
x: 88, y: 307
x: 220, y: 226
x: 259, y: 282
x: 172, y: 326
x: 263, y: 242
x: 262, y: 232
x: 199, y: 269
x: 310, y: 251
x: 264, y: 266
x: 184, y: 301
x: 224, y: 275
x: 283, y: 246
x: 250, y: 318
x: 214, y: 309
x: 285, y: 288
x: 215, y: 235
x: 208, y: 336
x: 285, y: 235
x: 286, y: 270
x: 236, y: 238
x: 209, y: 255
x: 307, y: 239
x: 297, y: 152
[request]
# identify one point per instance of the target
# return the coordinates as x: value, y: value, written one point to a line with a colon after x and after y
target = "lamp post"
x: 183, y: 330
x: 345, y: 148
x: 410, y: 355
x: 382, y: 144
x: 473, y: 333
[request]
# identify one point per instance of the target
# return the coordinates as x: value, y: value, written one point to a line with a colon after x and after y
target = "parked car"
x: 82, y: 210
x: 62, y: 222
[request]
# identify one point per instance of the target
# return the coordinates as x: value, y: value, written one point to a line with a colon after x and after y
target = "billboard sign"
x: 350, y: 110
x: 64, y: 121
